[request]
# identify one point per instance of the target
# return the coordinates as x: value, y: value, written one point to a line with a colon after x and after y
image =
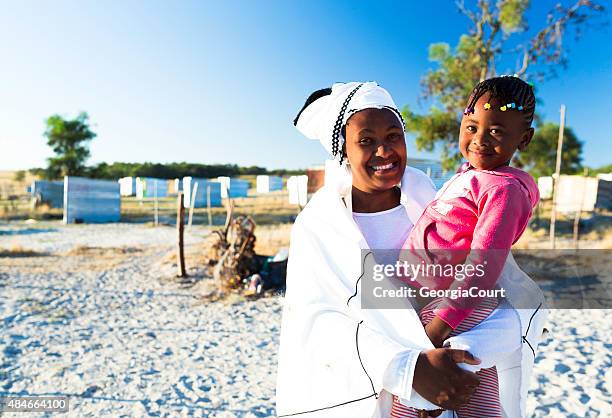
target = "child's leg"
x: 400, y: 411
x: 485, y: 402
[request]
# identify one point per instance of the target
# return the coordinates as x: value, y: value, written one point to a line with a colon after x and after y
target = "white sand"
x: 122, y: 341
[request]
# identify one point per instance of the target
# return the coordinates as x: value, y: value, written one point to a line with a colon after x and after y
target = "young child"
x: 474, y: 220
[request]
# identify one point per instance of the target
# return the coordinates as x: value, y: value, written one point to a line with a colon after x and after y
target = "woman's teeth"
x: 384, y: 167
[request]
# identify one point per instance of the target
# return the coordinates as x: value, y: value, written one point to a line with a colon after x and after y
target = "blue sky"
x: 211, y: 83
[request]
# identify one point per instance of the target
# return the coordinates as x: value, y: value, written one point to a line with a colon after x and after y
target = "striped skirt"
x: 485, y: 402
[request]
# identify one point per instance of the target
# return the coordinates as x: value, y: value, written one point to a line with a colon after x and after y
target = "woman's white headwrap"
x: 324, y: 118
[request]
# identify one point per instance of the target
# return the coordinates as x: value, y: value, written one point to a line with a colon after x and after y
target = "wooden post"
x: 192, y: 204
x: 180, y: 221
x: 557, y: 178
x: 229, y: 207
x: 299, y: 195
x: 208, y: 205
x: 142, y: 193
x: 155, y: 203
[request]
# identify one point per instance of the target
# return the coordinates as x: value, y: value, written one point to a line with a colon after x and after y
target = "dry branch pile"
x: 232, y: 255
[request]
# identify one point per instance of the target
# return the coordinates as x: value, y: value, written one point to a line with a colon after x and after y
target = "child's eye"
x: 394, y: 137
x: 471, y: 129
x: 495, y: 131
x: 365, y: 141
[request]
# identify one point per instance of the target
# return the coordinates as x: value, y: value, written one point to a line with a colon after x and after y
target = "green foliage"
x: 511, y: 15
x: 541, y: 155
x: 475, y: 57
x: 605, y: 169
x: 177, y: 170
x: 68, y: 138
x: 19, y: 176
x: 437, y: 124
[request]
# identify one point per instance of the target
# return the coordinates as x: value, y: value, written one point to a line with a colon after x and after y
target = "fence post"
x: 557, y: 178
x: 192, y: 204
x: 208, y: 205
x: 579, y: 212
x: 180, y: 221
x: 155, y: 203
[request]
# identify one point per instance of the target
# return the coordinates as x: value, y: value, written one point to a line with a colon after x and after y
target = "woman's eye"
x: 394, y: 137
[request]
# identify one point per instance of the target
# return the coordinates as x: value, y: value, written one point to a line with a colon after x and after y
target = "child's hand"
x: 437, y: 331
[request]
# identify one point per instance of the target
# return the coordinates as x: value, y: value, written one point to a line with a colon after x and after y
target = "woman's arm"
x: 328, y: 358
x: 493, y: 340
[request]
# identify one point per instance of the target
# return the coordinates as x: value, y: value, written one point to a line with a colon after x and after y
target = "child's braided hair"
x: 506, y: 89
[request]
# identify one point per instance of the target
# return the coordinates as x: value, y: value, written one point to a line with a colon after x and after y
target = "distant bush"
x: 171, y: 170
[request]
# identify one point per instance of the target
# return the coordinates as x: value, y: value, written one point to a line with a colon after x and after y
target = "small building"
x: 233, y: 187
x: 266, y: 184
x: 579, y: 193
x: 176, y: 186
x: 203, y: 190
x: 91, y: 201
x: 604, y: 192
x: 151, y: 187
x: 127, y: 186
x: 605, y: 176
x: 545, y: 187
x: 50, y: 193
x: 316, y: 176
x: 298, y: 190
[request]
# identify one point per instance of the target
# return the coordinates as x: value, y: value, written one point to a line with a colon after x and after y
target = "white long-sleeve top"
x: 336, y: 359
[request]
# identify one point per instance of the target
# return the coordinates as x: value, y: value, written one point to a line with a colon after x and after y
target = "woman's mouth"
x: 382, y: 169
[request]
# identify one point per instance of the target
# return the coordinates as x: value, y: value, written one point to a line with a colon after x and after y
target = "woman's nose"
x: 383, y: 151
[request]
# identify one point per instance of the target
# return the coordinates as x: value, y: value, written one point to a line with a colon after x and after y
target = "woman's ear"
x: 344, y: 154
x: 526, y: 139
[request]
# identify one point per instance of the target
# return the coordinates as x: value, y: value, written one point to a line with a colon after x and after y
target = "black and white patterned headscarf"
x: 326, y: 111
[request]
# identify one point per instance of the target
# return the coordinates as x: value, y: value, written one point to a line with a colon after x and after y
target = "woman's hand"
x: 438, y: 379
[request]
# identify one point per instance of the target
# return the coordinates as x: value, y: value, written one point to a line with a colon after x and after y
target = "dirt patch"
x: 20, y: 252
x: 78, y: 259
x: 84, y: 250
x: 271, y: 238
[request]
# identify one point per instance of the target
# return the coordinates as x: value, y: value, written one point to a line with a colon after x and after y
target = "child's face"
x: 489, y: 138
x: 376, y: 149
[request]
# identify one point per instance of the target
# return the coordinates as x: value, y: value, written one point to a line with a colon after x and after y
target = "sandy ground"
x: 91, y: 313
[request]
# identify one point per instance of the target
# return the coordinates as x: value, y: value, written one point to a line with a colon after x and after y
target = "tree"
x: 19, y: 176
x: 541, y: 154
x: 68, y: 138
x: 498, y: 31
x: 605, y: 169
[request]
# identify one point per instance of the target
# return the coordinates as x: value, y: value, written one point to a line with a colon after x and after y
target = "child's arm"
x: 503, y: 214
x: 437, y: 330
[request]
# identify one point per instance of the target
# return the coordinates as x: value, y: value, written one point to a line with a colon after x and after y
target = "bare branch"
x: 547, y: 44
x: 465, y: 11
x: 523, y: 68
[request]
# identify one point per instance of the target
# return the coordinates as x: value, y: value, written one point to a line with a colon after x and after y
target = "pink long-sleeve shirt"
x: 474, y: 219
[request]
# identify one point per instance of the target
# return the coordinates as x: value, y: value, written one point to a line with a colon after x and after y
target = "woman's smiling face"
x: 376, y: 149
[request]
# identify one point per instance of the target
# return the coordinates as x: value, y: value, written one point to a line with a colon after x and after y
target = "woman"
x: 337, y: 359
